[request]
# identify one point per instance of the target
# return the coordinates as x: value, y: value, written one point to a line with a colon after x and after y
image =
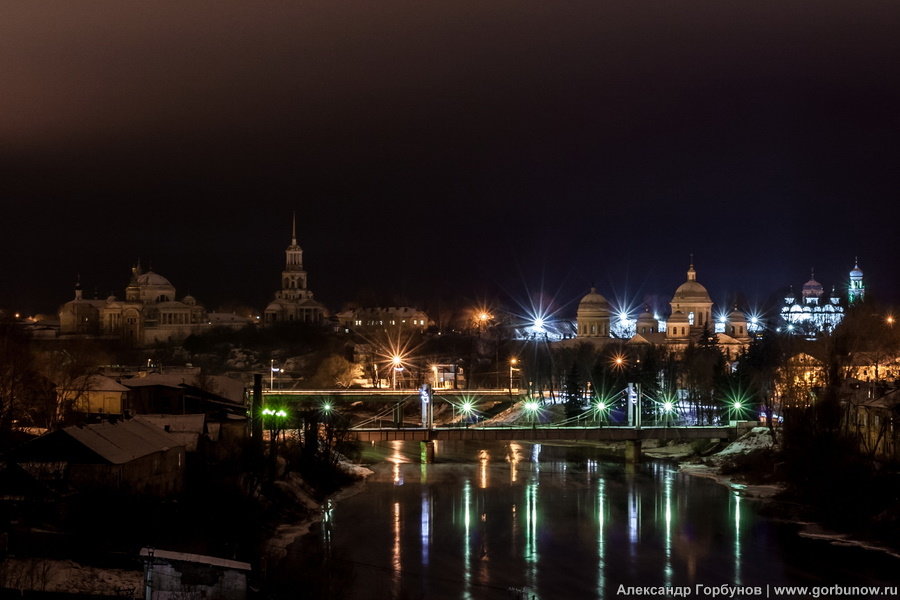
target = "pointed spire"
x: 78, y: 286
x: 294, y: 228
x: 692, y: 274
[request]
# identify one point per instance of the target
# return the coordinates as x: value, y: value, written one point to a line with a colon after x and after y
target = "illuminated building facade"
x: 813, y: 312
x: 691, y: 313
x: 294, y: 302
x: 388, y: 318
x: 149, y: 314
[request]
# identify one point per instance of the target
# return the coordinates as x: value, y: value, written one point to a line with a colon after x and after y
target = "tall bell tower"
x: 293, y: 277
x: 857, y: 289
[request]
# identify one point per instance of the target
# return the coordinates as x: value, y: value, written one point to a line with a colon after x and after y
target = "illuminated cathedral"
x: 149, y: 314
x: 813, y: 312
x: 691, y: 315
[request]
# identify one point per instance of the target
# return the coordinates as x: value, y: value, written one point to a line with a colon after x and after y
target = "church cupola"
x: 736, y: 324
x: 857, y: 289
x: 693, y: 301
x: 812, y: 290
x: 593, y: 315
x: 133, y: 291
x: 646, y: 322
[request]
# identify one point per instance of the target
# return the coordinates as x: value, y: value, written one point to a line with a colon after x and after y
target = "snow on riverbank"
x: 758, y: 438
x: 817, y: 532
x: 287, y: 533
x: 67, y: 576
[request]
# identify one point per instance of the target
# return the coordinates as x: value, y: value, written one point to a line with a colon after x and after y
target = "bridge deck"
x: 597, y: 434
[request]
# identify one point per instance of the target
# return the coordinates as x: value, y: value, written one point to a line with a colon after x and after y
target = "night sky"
x: 448, y: 151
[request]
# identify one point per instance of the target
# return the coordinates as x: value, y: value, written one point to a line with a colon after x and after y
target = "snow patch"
x: 67, y: 576
x: 758, y: 438
x: 817, y: 532
x: 355, y: 470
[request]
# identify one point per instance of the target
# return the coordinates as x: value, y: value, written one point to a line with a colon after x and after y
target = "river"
x: 523, y: 520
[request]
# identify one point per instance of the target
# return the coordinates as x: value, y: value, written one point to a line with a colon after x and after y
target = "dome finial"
x: 294, y: 228
x: 692, y: 274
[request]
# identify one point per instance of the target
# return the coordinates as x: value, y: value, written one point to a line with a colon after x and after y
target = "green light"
x: 281, y: 413
x: 467, y: 407
x: 737, y: 405
x: 668, y: 406
x: 531, y: 406
x: 326, y: 407
x: 601, y: 406
x: 268, y: 412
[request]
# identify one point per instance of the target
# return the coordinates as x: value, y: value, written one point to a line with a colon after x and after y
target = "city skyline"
x: 529, y: 304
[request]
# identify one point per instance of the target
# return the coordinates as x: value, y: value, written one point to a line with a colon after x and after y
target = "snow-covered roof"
x: 124, y: 441
x: 648, y: 338
x: 175, y: 423
x: 187, y: 429
x: 196, y: 559
x: 226, y: 387
x: 97, y: 383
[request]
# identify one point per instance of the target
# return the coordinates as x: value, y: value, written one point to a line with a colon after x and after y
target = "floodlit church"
x: 294, y: 302
x: 149, y: 314
x: 813, y: 312
x: 691, y: 314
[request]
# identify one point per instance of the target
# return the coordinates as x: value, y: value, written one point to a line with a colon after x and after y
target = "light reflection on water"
x: 529, y: 521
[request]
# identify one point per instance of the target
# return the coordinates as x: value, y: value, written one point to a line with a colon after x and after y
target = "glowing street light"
x: 668, y: 406
x: 397, y: 362
x: 271, y: 412
x: 272, y: 371
x: 602, y: 409
x: 512, y: 367
x: 532, y: 407
x: 737, y: 405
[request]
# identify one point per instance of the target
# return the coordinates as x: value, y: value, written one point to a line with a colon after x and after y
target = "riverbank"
x: 275, y: 548
x: 754, y: 467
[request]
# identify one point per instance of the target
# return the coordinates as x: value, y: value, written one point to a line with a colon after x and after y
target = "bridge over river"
x: 632, y: 436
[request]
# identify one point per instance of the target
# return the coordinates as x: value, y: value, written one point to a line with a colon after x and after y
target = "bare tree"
x: 72, y: 369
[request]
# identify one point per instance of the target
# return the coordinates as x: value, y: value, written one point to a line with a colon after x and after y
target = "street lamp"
x: 602, y: 409
x: 272, y: 371
x: 397, y: 363
x: 512, y: 367
x: 532, y: 407
x: 466, y: 409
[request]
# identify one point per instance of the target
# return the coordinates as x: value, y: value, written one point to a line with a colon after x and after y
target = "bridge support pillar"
x: 632, y: 452
x: 428, y: 451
